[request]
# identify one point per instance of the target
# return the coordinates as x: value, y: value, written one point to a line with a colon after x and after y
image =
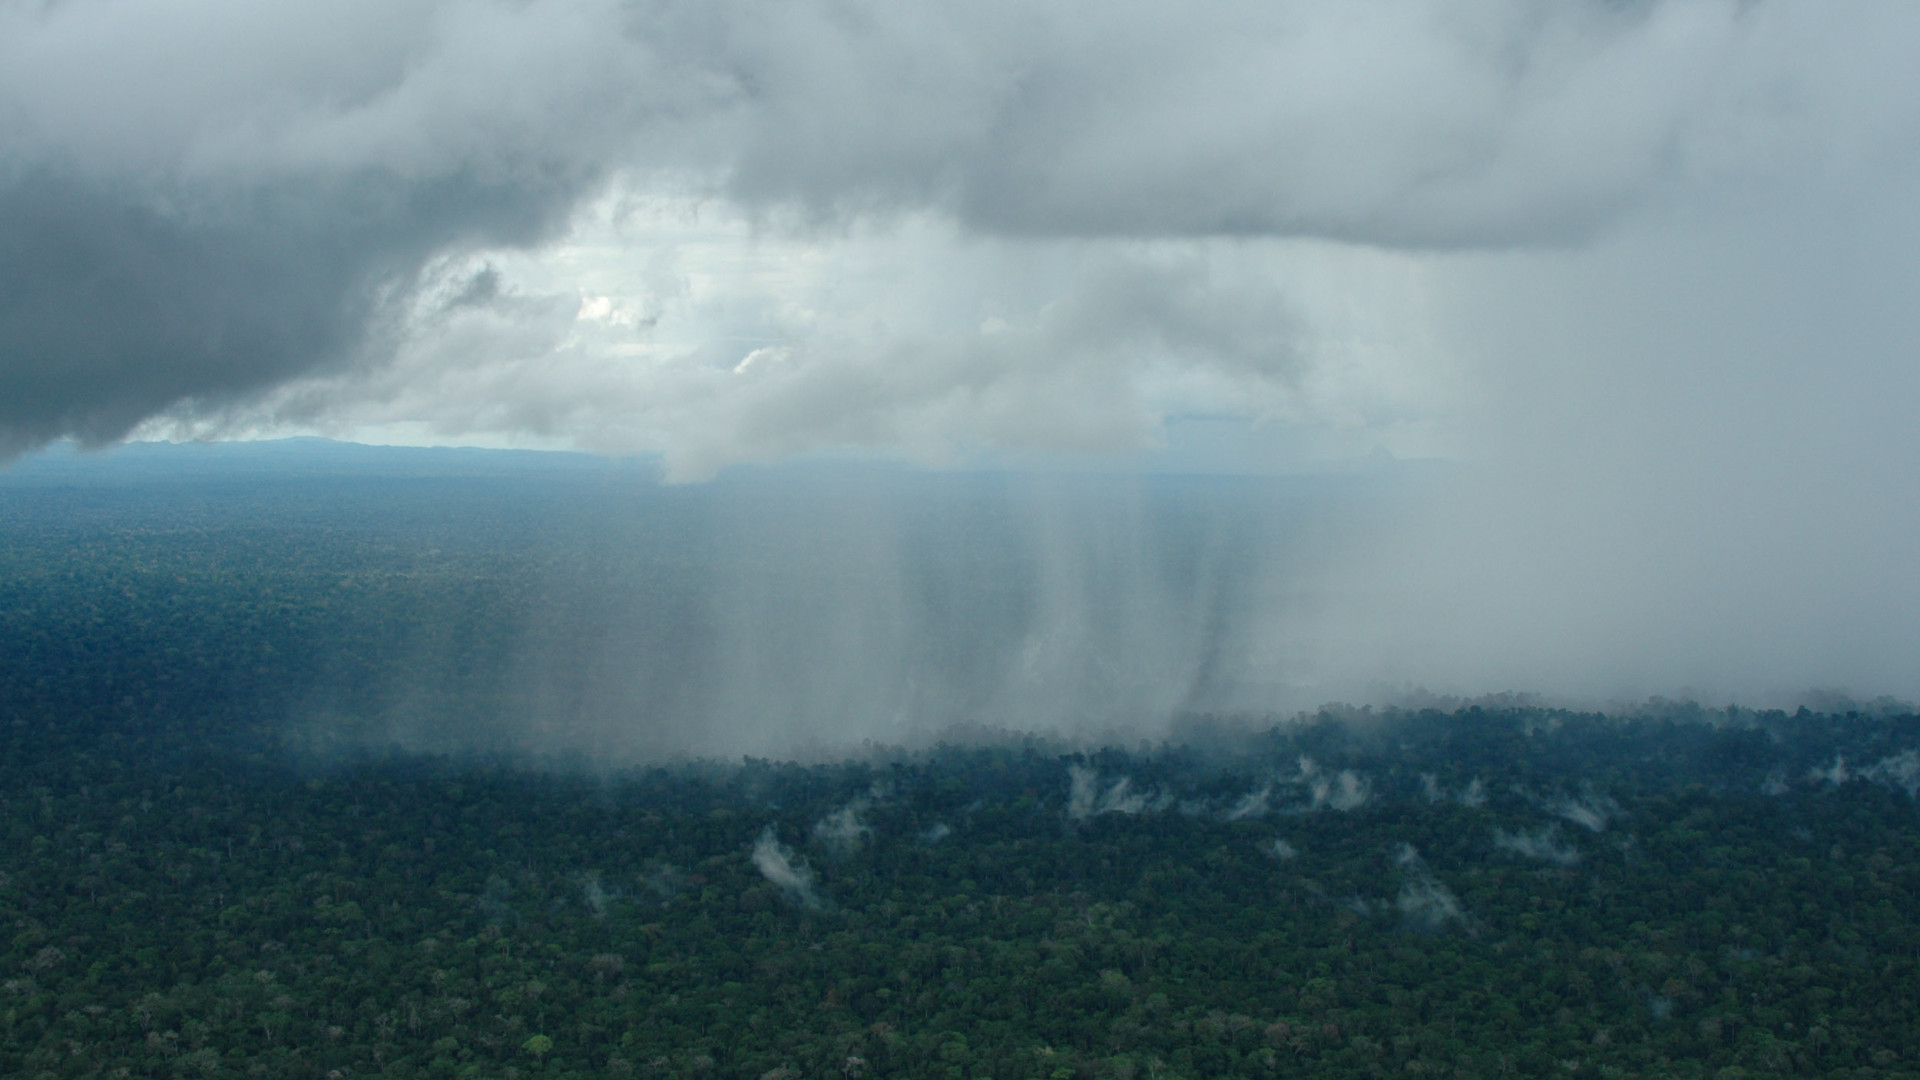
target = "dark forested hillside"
x: 215, y: 861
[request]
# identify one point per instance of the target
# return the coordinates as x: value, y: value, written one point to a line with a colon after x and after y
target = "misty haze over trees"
x: 280, y: 800
x: 564, y: 605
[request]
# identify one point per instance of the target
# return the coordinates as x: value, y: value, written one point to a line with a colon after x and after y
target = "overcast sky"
x: 1648, y: 266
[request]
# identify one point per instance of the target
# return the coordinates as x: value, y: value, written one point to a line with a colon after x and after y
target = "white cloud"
x: 1473, y: 795
x: 1543, y: 844
x: 1253, y: 804
x: 1089, y: 796
x: 1076, y: 140
x: 784, y: 869
x: 1901, y: 771
x: 1424, y: 899
x: 842, y: 830
x: 1647, y: 266
x: 1590, y: 811
x: 1342, y: 791
x: 726, y: 344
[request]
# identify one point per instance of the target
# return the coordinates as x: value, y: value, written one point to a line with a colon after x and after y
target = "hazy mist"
x: 1614, y: 301
x: 811, y: 610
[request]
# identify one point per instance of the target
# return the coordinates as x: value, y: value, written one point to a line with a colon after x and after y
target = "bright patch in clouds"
x: 674, y: 326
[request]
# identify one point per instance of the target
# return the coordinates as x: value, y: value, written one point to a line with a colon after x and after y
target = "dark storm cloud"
x: 111, y: 308
x: 201, y: 198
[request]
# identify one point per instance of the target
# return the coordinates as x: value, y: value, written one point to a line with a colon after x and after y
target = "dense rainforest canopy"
x: 194, y: 884
x: 1481, y: 893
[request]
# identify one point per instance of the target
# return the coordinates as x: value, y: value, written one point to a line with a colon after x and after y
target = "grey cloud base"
x: 198, y: 201
x: 113, y: 307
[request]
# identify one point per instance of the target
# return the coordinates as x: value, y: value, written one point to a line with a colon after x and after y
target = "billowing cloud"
x: 203, y: 200
x: 200, y: 199
x: 726, y: 347
x: 1429, y: 123
x: 1834, y: 774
